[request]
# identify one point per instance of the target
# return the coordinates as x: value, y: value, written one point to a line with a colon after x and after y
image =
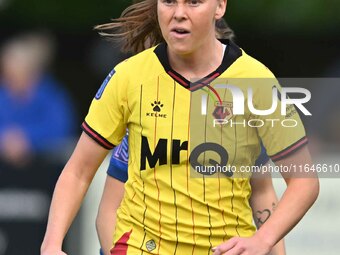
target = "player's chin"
x: 181, y: 49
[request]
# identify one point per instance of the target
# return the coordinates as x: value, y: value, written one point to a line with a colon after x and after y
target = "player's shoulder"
x: 141, y: 61
x: 247, y: 66
x: 255, y: 67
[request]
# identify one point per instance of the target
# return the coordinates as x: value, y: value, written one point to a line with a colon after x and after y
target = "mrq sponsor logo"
x: 280, y: 111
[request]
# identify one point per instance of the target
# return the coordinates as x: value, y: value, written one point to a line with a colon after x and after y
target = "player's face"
x: 187, y: 25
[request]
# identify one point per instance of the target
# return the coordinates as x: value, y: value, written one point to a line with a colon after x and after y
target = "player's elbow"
x: 315, y: 189
x: 309, y: 188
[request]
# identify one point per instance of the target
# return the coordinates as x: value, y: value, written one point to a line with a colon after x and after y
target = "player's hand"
x: 243, y: 246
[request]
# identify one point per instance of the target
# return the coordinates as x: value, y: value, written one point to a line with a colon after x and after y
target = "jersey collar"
x: 232, y: 53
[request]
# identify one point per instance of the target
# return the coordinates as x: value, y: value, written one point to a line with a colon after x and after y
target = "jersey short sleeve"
x: 107, y: 116
x: 281, y: 133
x: 118, y: 167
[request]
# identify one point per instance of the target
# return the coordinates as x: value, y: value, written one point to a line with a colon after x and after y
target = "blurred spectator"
x: 36, y: 123
x: 35, y: 113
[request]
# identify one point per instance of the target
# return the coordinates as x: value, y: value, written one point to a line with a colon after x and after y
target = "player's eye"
x: 169, y: 2
x: 194, y: 2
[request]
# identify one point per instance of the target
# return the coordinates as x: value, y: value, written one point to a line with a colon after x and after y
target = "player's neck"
x: 199, y: 63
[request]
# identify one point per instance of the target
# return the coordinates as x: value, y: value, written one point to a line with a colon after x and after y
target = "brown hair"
x: 137, y: 28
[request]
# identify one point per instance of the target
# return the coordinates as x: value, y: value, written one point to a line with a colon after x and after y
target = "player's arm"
x: 106, y: 217
x: 117, y: 175
x: 263, y: 202
x: 70, y: 191
x: 302, y: 191
x: 299, y: 196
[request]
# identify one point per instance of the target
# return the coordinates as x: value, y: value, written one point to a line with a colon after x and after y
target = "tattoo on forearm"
x: 274, y: 205
x: 262, y: 216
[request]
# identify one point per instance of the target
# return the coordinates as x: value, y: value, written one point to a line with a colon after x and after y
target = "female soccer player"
x: 170, y: 206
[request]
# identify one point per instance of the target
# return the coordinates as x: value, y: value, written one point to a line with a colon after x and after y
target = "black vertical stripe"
x: 226, y: 236
x: 232, y: 186
x: 210, y: 233
x: 236, y: 227
x: 235, y: 144
x: 172, y: 128
x: 156, y: 182
x: 188, y: 172
x: 233, y: 195
x: 223, y: 215
x: 204, y: 184
x: 140, y: 172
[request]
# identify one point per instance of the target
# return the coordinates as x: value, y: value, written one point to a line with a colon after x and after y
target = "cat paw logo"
x: 156, y: 108
x: 150, y: 245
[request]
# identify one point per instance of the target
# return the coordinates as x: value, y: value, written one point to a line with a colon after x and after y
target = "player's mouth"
x: 180, y: 32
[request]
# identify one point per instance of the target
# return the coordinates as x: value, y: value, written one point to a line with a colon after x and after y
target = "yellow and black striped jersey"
x: 169, y: 206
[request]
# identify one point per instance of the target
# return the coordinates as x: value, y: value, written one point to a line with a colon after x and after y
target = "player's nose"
x: 180, y: 11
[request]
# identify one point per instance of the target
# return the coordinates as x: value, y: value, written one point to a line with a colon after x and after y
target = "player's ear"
x: 220, y: 10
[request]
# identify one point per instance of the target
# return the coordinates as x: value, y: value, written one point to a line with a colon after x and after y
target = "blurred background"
x: 52, y: 62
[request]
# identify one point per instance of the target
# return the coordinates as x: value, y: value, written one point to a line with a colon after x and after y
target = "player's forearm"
x: 70, y: 191
x: 297, y: 199
x: 63, y: 209
x: 262, y: 211
x: 106, y: 218
x: 263, y: 202
x: 261, y: 214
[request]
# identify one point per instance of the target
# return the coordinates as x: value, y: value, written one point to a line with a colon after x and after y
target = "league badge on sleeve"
x: 103, y: 86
